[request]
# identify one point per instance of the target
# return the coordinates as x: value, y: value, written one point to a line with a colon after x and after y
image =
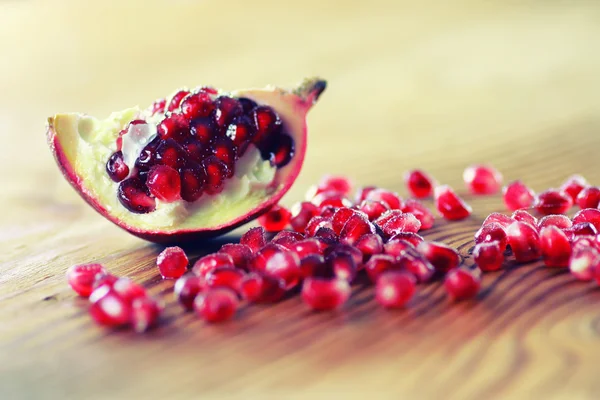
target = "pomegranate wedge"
x: 194, y: 165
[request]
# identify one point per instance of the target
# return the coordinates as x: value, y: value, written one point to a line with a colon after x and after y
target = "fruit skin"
x: 293, y: 105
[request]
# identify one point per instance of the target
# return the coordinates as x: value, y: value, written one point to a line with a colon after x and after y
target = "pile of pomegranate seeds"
x: 334, y: 240
x: 197, y: 143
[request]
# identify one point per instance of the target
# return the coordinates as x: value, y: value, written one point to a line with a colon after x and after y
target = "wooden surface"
x: 436, y: 85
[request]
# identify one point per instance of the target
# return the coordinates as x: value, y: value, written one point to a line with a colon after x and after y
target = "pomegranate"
x: 517, y: 195
x: 449, y: 204
x: 208, y: 163
x: 394, y: 288
x: 482, y: 179
x: 419, y: 183
x: 462, y: 283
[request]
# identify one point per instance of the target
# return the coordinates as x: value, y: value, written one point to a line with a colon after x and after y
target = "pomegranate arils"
x: 441, y: 256
x: 524, y: 216
x: 325, y: 294
x: 315, y: 223
x: 591, y: 215
x: 276, y: 219
x: 573, y: 186
x: 287, y: 238
x: 266, y: 121
x: 302, y: 214
x: 462, y: 283
x: 356, y: 226
x: 315, y: 265
x: 482, y: 179
x: 158, y: 107
x: 172, y: 262
x: 135, y: 196
x: 373, y: 209
x: 342, y: 265
x: 116, y: 168
x: 340, y: 217
x: 225, y: 150
x: 416, y: 264
x: 516, y: 196
x: 332, y: 183
x: 170, y: 153
x: 394, y: 289
x: 197, y: 105
x: 216, y: 304
x: 449, y: 205
x: 524, y: 241
x: 306, y: 247
x: 187, y: 288
x: 81, y: 277
x: 489, y: 256
x: 422, y: 213
x: 216, y: 173
x: 419, y: 184
x: 261, y: 288
x: 211, y: 262
x: 397, y: 247
x: 492, y: 232
x: 279, y: 150
x: 378, y: 264
x: 362, y: 193
x: 552, y: 201
x: 503, y: 220
x: 226, y: 109
x: 369, y: 245
x: 589, y: 197
x: 203, y: 129
x: 224, y: 277
x: 255, y: 238
x: 345, y: 248
x: 326, y: 235
x: 241, y: 254
x: 192, y: 182
x: 176, y: 99
x: 128, y: 289
x: 104, y: 279
x: 405, y: 222
x: 145, y: 312
x: 334, y: 199
x: 108, y: 308
x: 555, y: 247
x: 584, y: 228
x: 584, y: 262
x: 164, y: 183
x: 393, y: 201
x: 241, y: 132
x: 175, y: 126
x: 558, y: 220
x: 410, y: 237
x: 278, y: 261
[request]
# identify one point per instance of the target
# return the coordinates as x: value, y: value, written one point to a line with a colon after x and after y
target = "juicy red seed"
x: 419, y: 183
x: 552, y: 201
x: 555, y: 247
x: 284, y: 265
x: 591, y: 215
x: 128, y: 289
x: 225, y: 150
x: 135, y: 196
x: 423, y: 214
x: 482, y: 179
x: 378, y: 264
x: 229, y: 277
x: 197, y: 105
x: 81, y: 277
x: 260, y: 288
x: 116, y: 168
x: 261, y: 257
x: 276, y: 219
x: 226, y: 109
x: 266, y: 121
x: 203, y: 129
x: 489, y: 256
x: 211, y: 262
x: 279, y: 150
x: 334, y: 199
x: 573, y: 186
x: 326, y: 235
x: 492, y: 232
x: 584, y: 228
x: 158, y: 107
x: 524, y: 216
x: 327, y: 211
x: 442, y: 257
x: 247, y: 104
x: 145, y: 312
x: 342, y: 265
x: 373, y: 209
x: 387, y: 216
x: 255, y: 238
x: 172, y: 262
x: 187, y: 288
x: 450, y: 205
x: 369, y: 245
x: 558, y: 220
x: 345, y: 248
x: 340, y: 217
x: 524, y: 241
x: 517, y: 195
x: 164, y: 183
x: 174, y: 127
x: 176, y: 99
x: 306, y: 247
x: 325, y: 294
x: 107, y: 308
x: 462, y: 284
x: 334, y: 183
x: 503, y: 220
x: 287, y: 238
x: 170, y: 153
x: 405, y: 222
x: 301, y: 214
x: 315, y: 223
x: 314, y: 265
x: 393, y: 201
x: 356, y: 226
x: 148, y: 156
x: 104, y: 279
x: 192, y: 181
x: 241, y: 133
x: 196, y: 151
x: 363, y: 192
x: 241, y: 254
x: 216, y: 304
x: 589, y: 197
x: 394, y: 288
x: 397, y: 247
x: 410, y: 237
x: 417, y: 265
x: 216, y: 173
x: 584, y: 263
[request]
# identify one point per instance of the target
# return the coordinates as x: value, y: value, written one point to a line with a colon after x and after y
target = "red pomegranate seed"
x: 282, y: 264
x: 558, y: 220
x: 176, y: 99
x: 416, y: 264
x: 410, y: 237
x: 327, y: 211
x: 315, y: 223
x: 116, y: 168
x: 107, y: 308
x: 187, y: 288
x: 287, y: 238
x: 276, y: 219
x: 419, y: 183
x: 489, y: 256
x: 158, y: 107
x: 104, y: 279
x: 224, y: 277
x: 394, y: 288
x: 164, y: 183
x: 462, y: 283
x: 135, y: 197
x: 524, y: 241
x: 423, y: 214
x: 313, y: 265
x: 369, y: 245
x: 405, y: 222
x: 203, y: 129
x: 241, y: 254
x: 397, y: 247
x: 175, y: 126
x: 216, y: 305
x: 450, y: 205
x: 503, y: 220
x: 211, y: 262
x: 195, y: 150
x: 302, y: 214
x: 197, y: 105
x: 345, y: 248
x: 492, y: 232
x: 343, y: 265
x: 393, y: 201
x: 326, y: 235
x: 387, y: 216
x: 356, y: 226
x: 224, y: 149
x: 193, y: 179
x: 241, y: 132
x: 280, y: 151
x: 172, y: 262
x: 591, y: 215
x: 255, y: 238
x: 517, y: 195
x: 260, y: 288
x: 589, y: 197
x: 361, y: 193
x: 340, y: 217
x: 524, y: 216
x: 573, y: 186
x: 145, y: 312
x: 552, y: 201
x: 378, y: 264
x: 307, y: 247
x: 334, y: 199
x: 128, y: 290
x: 584, y: 262
x: 442, y: 257
x: 325, y: 294
x: 555, y: 247
x: 171, y: 154
x: 582, y: 242
x: 216, y: 173
x: 266, y: 121
x: 584, y: 228
x: 81, y: 277
x: 339, y: 184
x: 226, y: 109
x: 482, y: 179
x: 373, y: 209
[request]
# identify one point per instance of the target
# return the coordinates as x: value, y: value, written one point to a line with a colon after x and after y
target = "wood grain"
x: 436, y: 85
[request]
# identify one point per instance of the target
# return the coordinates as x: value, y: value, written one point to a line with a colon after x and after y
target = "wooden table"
x: 436, y: 85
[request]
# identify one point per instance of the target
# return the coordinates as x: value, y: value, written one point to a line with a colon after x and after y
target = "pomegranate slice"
x: 236, y: 155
